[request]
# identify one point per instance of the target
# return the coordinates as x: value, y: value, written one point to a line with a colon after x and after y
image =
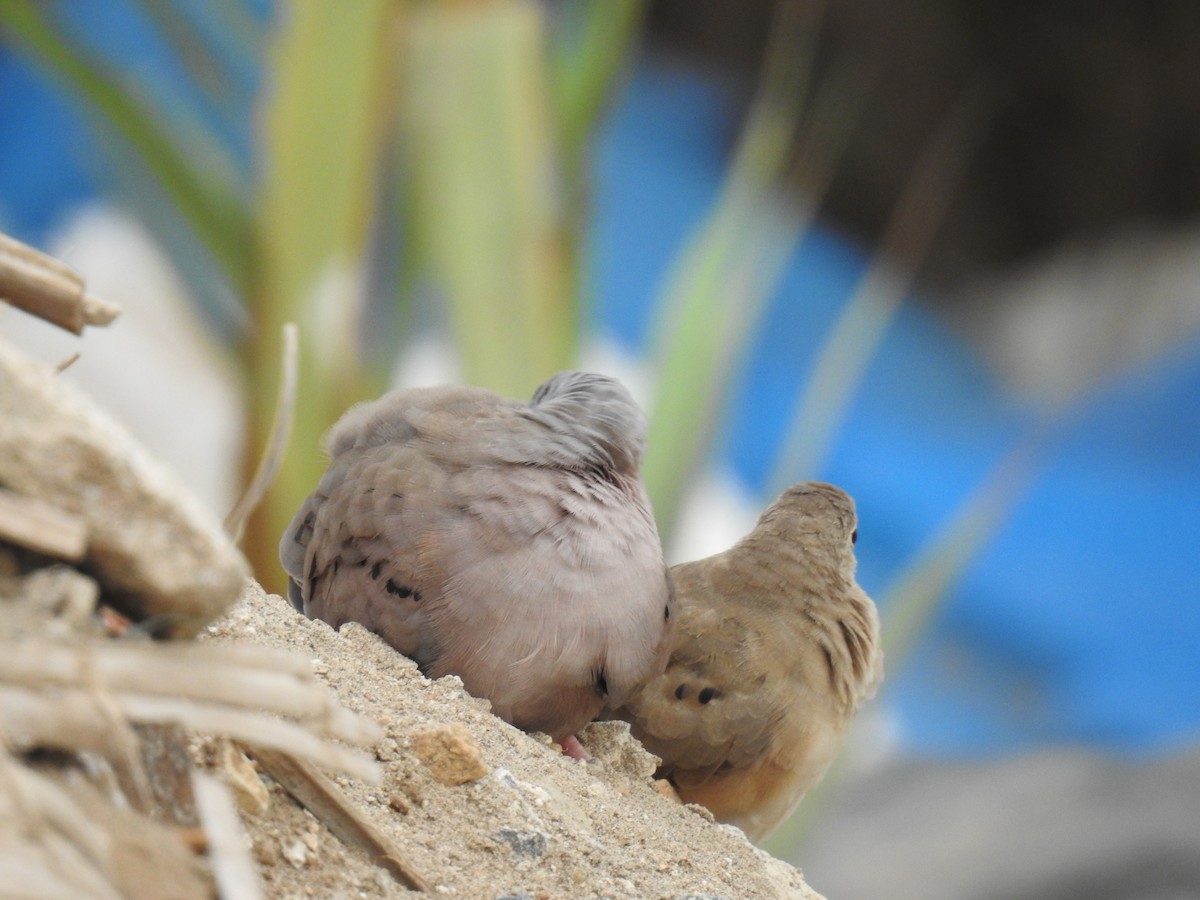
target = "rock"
x: 158, y: 554
x: 241, y: 775
x: 523, y: 843
x: 451, y: 754
x: 612, y: 744
x: 56, y: 594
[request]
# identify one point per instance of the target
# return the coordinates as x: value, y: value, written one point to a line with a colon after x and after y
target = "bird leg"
x: 572, y: 748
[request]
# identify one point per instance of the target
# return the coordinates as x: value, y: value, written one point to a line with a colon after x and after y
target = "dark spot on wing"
x: 303, y: 533
x: 402, y: 591
x: 601, y: 681
x: 295, y: 595
x: 857, y: 660
x: 681, y: 692
x: 666, y: 613
x: 829, y: 664
x: 708, y: 694
x: 377, y: 569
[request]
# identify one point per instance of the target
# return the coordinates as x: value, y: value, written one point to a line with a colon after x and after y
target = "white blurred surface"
x: 156, y: 369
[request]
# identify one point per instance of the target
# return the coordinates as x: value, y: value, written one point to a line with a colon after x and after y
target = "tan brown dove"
x: 511, y: 544
x: 774, y: 648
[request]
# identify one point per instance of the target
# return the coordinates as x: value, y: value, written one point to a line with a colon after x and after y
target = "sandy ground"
x: 536, y: 825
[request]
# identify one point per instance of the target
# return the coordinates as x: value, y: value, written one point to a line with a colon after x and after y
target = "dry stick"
x: 233, y: 867
x: 66, y: 363
x: 281, y: 431
x: 36, y: 525
x: 248, y: 677
x: 72, y: 719
x: 150, y: 683
x: 64, y: 851
x: 44, y: 287
x: 324, y: 799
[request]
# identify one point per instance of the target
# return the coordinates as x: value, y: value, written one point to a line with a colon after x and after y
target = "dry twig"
x: 233, y: 867
x: 44, y: 287
x: 325, y: 800
x: 281, y: 430
x: 39, y: 526
x: 205, y: 687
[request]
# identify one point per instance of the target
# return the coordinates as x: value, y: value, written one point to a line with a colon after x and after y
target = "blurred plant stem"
x: 324, y: 120
x: 844, y: 355
x: 726, y: 272
x: 484, y: 188
x: 590, y: 51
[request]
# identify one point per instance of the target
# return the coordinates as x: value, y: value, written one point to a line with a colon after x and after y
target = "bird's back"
x: 462, y: 530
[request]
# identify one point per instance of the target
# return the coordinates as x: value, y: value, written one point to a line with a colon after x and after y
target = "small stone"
x: 387, y: 750
x: 398, y: 802
x: 451, y: 754
x: 701, y: 811
x: 266, y: 853
x: 523, y: 843
x: 295, y: 852
x: 611, y: 743
x: 242, y: 777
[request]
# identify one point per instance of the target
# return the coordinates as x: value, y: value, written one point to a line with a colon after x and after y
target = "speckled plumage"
x: 511, y: 544
x: 775, y: 647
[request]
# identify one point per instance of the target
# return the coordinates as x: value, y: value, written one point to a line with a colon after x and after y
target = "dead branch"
x: 41, y: 527
x: 233, y: 867
x: 44, y: 287
x: 281, y: 431
x: 325, y: 800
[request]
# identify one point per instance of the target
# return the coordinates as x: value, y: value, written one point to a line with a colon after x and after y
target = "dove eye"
x: 854, y: 536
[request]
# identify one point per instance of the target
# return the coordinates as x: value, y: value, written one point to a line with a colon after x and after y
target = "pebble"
x: 451, y: 754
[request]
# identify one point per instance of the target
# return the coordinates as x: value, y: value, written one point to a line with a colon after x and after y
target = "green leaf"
x: 485, y: 192
x: 592, y: 50
x: 323, y: 125
x: 846, y: 353
x: 730, y: 267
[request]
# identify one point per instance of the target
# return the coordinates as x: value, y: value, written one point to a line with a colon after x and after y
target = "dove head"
x: 812, y: 515
x: 596, y: 415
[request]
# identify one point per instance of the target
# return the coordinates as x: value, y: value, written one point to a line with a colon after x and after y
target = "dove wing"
x: 735, y: 688
x: 352, y: 551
